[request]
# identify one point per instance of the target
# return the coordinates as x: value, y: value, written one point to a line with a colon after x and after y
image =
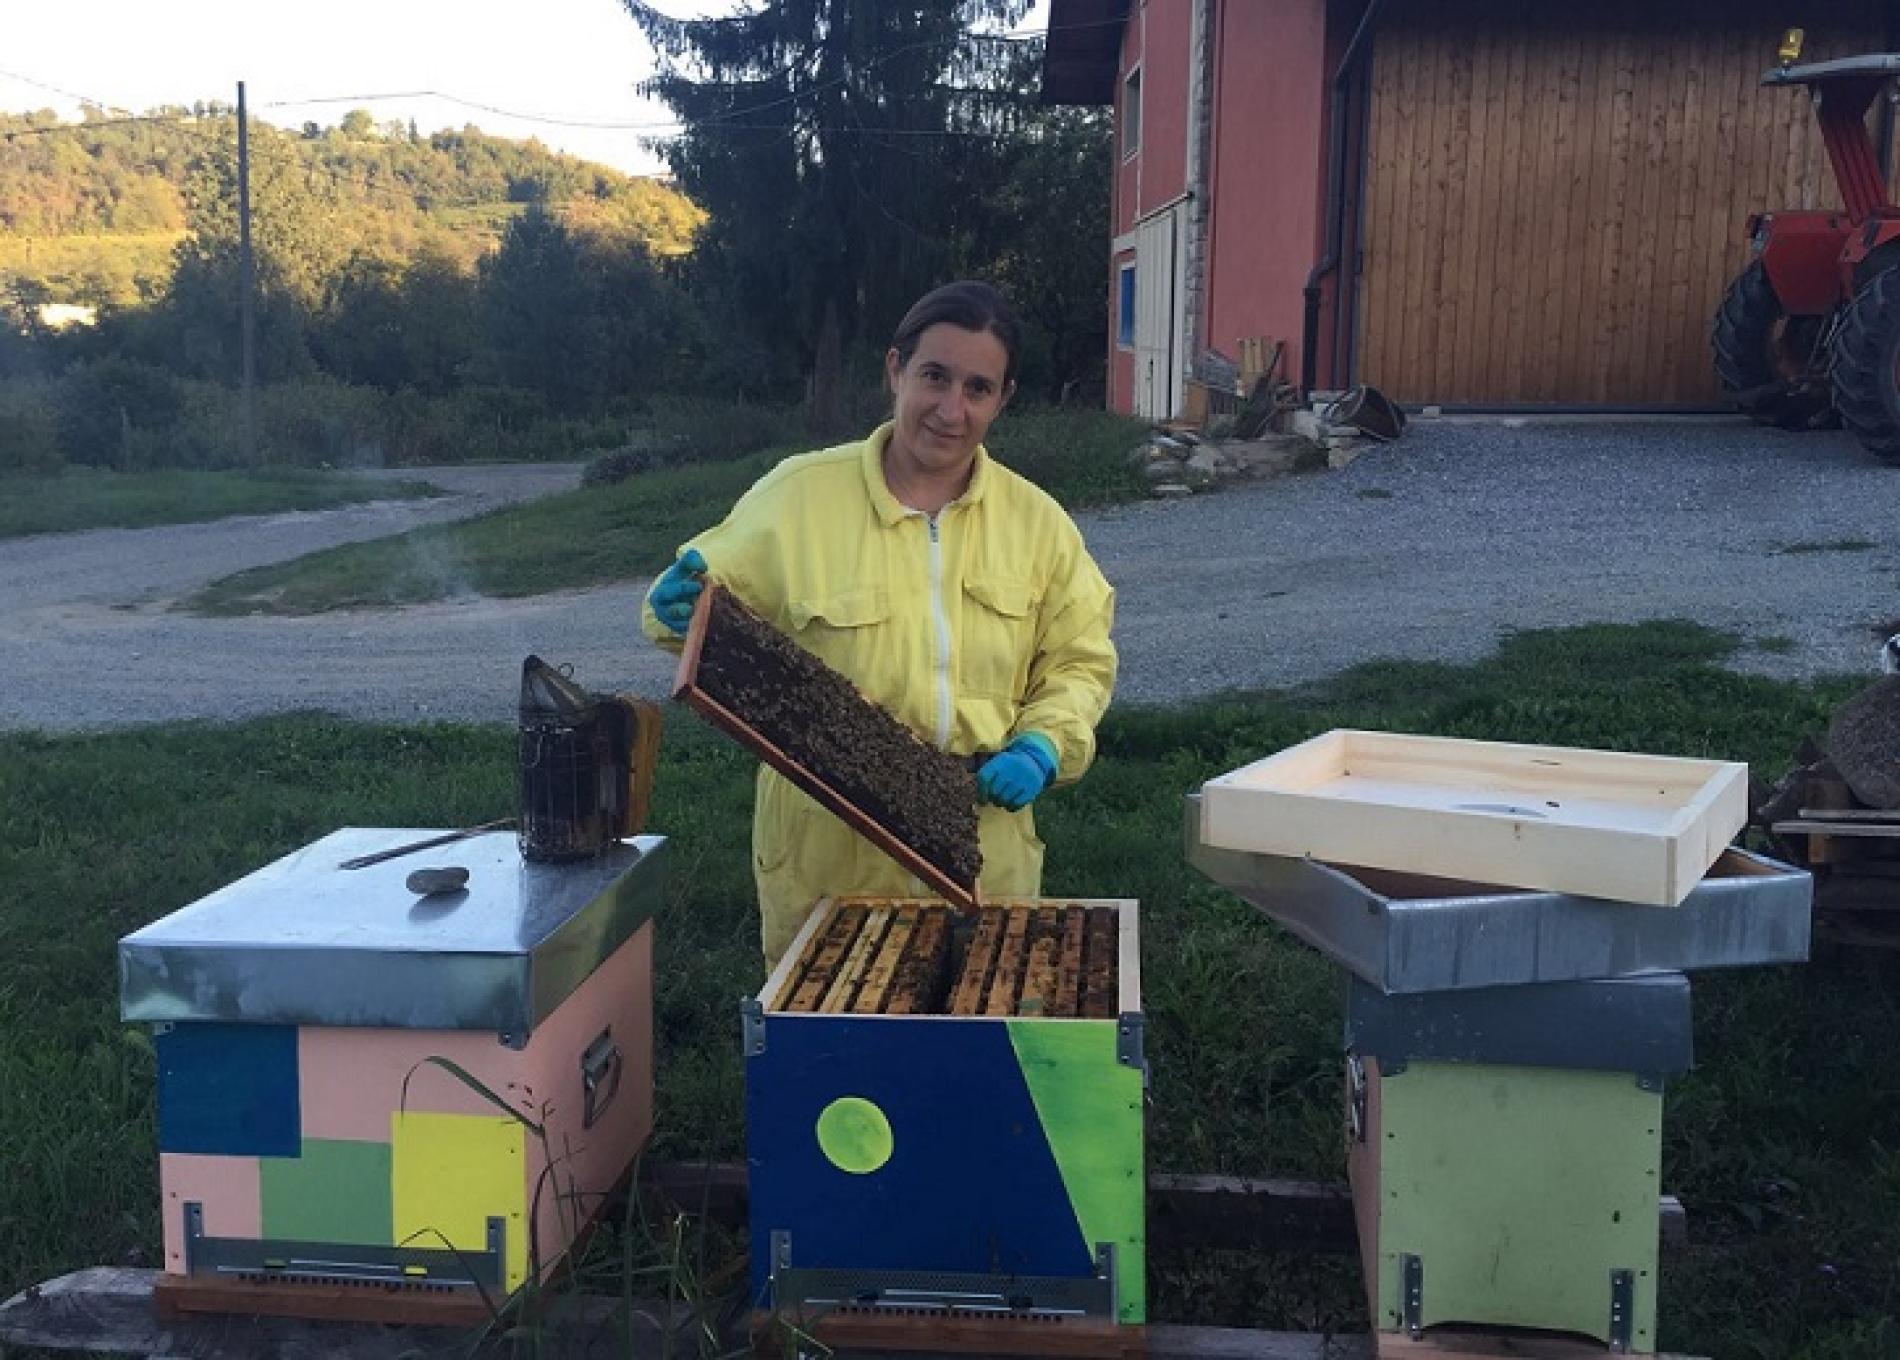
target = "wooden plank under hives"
x: 978, y: 963
x: 176, y: 1297
x: 827, y: 954
x: 687, y: 689
x: 968, y: 1334
x: 923, y: 974
x: 844, y: 987
x: 1000, y: 999
x: 883, y: 970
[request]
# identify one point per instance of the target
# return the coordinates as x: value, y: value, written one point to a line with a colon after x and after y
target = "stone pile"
x: 1181, y: 464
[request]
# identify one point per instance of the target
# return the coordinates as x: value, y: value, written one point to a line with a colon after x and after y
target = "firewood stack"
x: 1837, y: 812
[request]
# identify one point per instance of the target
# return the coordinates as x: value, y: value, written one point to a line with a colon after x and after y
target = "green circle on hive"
x: 854, y: 1134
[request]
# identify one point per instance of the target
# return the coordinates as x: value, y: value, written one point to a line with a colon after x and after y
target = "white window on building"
x: 1131, y: 113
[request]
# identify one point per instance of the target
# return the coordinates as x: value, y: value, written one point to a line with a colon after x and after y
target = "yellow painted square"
x: 451, y: 1173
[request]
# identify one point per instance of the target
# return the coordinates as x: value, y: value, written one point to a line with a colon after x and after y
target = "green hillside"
x: 91, y: 212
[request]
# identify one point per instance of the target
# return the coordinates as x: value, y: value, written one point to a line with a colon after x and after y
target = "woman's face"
x: 946, y: 397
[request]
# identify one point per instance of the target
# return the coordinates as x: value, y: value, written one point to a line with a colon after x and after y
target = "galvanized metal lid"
x: 303, y: 941
x: 1409, y: 933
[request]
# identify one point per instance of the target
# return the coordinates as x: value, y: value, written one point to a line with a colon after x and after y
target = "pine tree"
x: 836, y: 147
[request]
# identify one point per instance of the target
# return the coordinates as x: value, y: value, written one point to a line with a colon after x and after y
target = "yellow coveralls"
x: 988, y: 622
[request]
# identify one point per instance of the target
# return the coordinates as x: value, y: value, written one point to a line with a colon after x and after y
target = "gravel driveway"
x: 1428, y: 548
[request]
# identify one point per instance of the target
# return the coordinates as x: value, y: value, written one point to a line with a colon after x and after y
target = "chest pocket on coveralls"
x: 842, y: 629
x: 999, y: 634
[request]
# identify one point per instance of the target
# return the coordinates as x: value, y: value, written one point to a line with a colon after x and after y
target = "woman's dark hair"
x: 968, y: 304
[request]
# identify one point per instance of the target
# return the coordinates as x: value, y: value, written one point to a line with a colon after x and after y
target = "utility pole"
x: 247, y: 286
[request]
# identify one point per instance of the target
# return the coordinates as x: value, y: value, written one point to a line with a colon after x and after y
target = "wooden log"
x: 176, y: 1296
x: 941, y: 1334
x: 1845, y: 830
x: 109, y: 1311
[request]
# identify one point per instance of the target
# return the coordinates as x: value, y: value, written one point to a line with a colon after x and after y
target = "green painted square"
x: 337, y: 1191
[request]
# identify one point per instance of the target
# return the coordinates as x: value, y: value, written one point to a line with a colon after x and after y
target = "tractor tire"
x: 1763, y: 355
x: 1865, y: 366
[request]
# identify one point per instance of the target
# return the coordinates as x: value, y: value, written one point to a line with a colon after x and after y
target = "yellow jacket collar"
x: 889, y: 508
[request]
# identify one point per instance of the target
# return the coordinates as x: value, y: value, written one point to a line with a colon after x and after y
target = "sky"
x: 562, y: 62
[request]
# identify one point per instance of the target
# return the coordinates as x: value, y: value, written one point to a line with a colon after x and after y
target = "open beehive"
x: 915, y: 803
x: 889, y: 957
x: 944, y: 1124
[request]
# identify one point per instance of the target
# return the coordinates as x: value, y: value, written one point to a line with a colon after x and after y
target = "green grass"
x: 134, y: 500
x: 577, y: 538
x: 1782, y: 1143
x: 629, y: 529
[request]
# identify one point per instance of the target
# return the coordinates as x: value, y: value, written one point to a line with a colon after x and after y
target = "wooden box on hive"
x: 1505, y: 1148
x: 381, y: 1106
x: 1608, y: 824
x: 944, y: 1126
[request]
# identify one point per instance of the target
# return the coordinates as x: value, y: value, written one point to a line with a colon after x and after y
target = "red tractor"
x: 1811, y: 328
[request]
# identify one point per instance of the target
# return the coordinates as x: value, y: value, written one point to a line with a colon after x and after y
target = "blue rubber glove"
x: 1015, y: 775
x: 677, y: 590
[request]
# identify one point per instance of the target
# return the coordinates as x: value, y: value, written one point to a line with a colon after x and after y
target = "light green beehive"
x: 1509, y: 1196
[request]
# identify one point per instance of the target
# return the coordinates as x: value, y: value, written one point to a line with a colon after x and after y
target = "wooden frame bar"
x: 686, y: 689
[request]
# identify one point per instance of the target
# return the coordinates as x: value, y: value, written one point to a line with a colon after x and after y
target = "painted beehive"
x: 374, y: 1104
x: 944, y: 1116
x: 1505, y: 1151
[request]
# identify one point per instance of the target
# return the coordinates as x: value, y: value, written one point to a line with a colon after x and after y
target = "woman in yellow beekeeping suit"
x: 949, y: 589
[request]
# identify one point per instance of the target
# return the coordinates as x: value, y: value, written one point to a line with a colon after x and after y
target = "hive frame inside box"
x: 1013, y: 1168
x: 1608, y: 824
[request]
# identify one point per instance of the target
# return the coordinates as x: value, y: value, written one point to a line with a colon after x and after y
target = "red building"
x: 1489, y: 203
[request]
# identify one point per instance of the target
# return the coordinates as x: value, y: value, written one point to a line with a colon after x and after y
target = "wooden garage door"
x: 1555, y: 200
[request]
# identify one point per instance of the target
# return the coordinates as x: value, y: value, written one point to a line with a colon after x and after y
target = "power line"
x: 54, y: 89
x: 655, y: 128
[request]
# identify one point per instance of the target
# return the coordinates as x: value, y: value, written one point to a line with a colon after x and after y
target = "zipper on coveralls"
x: 943, y: 633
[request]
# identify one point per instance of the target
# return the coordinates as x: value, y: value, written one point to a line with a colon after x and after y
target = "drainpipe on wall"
x: 1335, y: 192
x: 1200, y: 144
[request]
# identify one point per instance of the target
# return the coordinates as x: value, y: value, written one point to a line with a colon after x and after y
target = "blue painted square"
x: 970, y: 1185
x: 229, y: 1090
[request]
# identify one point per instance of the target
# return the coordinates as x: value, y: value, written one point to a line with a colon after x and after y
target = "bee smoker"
x: 585, y: 765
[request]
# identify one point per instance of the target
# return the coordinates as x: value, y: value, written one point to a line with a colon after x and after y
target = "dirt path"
x: 1424, y: 549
